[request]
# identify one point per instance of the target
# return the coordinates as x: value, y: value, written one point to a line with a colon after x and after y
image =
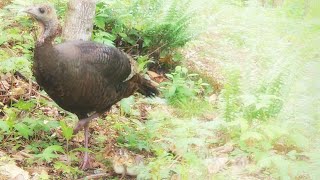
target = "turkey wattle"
x: 82, y: 76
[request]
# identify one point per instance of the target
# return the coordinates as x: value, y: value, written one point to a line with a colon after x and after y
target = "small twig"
x: 5, y: 95
x: 34, y: 109
x: 30, y: 88
x: 124, y: 173
x: 176, y: 159
x: 10, y: 49
x: 156, y: 49
x: 131, y: 47
x: 25, y: 154
x: 17, y: 73
x: 41, y: 95
x: 13, y: 99
x: 11, y: 77
x: 3, y: 85
x: 95, y: 176
x: 10, y: 135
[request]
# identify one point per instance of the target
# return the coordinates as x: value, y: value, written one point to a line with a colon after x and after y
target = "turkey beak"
x: 28, y: 10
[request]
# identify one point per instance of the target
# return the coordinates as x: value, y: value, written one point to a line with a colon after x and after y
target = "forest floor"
x: 110, y: 158
x: 192, y: 141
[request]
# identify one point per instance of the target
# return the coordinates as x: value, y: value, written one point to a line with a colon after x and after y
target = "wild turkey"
x: 82, y: 76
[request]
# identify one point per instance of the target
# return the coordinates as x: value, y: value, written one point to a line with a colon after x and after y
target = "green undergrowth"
x: 28, y: 128
x: 132, y: 26
x: 269, y: 59
x: 187, y: 92
x: 262, y: 123
x: 42, y: 132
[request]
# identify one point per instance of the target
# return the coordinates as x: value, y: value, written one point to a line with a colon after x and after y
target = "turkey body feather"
x: 83, y: 76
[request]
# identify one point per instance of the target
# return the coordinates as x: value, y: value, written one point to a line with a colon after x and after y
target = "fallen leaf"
x: 153, y: 74
x: 17, y: 91
x: 227, y: 148
x: 4, y: 85
x: 213, y: 99
x: 214, y: 165
x: 11, y: 171
x: 2, y: 153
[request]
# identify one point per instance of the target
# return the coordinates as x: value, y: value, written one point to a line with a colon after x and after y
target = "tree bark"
x: 79, y: 20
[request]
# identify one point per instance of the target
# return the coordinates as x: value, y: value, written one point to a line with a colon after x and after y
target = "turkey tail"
x: 146, y: 88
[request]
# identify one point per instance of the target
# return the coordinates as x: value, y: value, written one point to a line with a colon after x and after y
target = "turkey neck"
x: 44, y: 50
x: 50, y: 29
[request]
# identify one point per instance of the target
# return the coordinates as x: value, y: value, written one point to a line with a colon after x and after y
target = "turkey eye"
x: 41, y: 10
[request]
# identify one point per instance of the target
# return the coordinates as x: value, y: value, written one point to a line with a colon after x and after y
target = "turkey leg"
x: 85, y: 163
x: 84, y: 123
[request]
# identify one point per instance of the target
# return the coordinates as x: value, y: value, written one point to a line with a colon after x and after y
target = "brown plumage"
x: 82, y: 76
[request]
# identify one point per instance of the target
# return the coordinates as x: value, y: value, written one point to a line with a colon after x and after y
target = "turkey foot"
x: 86, y: 163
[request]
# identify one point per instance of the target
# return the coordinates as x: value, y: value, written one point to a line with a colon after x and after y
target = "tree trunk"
x: 79, y: 20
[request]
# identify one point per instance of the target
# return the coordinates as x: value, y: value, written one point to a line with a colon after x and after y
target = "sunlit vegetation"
x: 261, y: 123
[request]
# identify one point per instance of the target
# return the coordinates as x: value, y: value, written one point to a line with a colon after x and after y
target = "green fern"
x: 152, y: 28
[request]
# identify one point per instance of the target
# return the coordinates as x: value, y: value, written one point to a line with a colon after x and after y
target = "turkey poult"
x: 82, y: 77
